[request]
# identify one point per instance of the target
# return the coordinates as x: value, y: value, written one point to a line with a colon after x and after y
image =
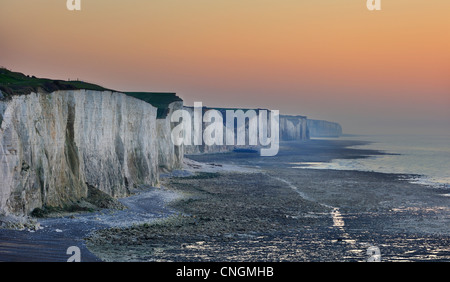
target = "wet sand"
x: 271, y: 211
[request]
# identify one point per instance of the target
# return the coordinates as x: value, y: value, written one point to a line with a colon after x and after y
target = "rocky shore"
x: 240, y: 207
x: 274, y: 212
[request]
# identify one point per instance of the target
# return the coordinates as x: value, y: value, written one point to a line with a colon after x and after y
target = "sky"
x: 373, y: 72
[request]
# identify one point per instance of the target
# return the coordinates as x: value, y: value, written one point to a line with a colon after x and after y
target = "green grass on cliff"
x: 15, y: 83
x: 157, y: 99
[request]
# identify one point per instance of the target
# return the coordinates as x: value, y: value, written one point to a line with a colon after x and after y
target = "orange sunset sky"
x: 373, y: 71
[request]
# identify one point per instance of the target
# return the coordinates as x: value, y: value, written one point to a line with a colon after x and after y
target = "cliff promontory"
x: 323, y: 128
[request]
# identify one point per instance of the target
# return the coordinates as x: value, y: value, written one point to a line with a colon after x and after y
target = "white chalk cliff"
x: 53, y: 145
x: 323, y: 128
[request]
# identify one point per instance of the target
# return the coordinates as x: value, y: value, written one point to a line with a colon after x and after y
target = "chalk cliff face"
x: 169, y: 156
x: 322, y: 128
x: 53, y: 145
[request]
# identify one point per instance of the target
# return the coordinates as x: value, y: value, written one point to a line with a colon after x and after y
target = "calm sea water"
x: 424, y: 155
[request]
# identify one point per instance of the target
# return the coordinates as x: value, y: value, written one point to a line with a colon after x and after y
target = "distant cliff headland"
x: 64, y: 141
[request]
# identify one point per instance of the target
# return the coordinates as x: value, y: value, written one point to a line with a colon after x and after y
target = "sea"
x: 425, y: 156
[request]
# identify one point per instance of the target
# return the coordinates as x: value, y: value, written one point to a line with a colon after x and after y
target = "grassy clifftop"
x: 160, y: 100
x: 15, y: 83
